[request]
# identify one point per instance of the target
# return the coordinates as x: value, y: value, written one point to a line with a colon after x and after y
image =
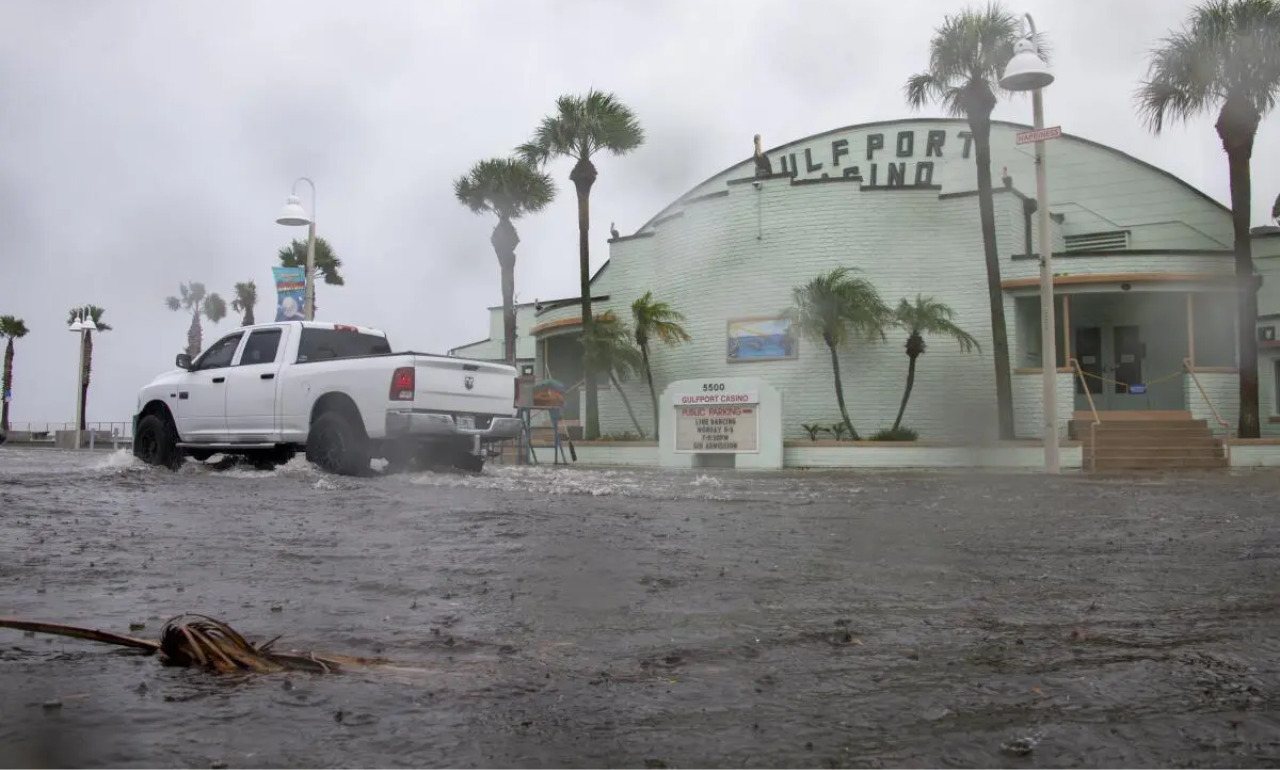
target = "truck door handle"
x: 267, y: 376
x: 219, y: 379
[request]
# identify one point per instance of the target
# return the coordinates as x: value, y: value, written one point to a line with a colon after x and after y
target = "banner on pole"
x: 291, y: 293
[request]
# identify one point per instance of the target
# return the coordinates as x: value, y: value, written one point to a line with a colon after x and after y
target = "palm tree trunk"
x: 504, y: 240
x: 844, y: 412
x: 84, y: 378
x: 653, y: 393
x: 195, y: 335
x: 5, y: 386
x: 906, y: 393
x: 248, y: 316
x: 627, y: 403
x: 980, y: 125
x: 583, y: 176
x: 1239, y: 153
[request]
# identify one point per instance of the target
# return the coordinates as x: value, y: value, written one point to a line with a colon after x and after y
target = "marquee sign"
x: 718, y: 421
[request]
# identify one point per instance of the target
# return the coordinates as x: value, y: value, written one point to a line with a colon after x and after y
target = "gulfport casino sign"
x: 718, y: 420
x: 878, y: 157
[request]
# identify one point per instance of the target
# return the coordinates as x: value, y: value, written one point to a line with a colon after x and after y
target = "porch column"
x: 1066, y: 329
x: 1191, y: 328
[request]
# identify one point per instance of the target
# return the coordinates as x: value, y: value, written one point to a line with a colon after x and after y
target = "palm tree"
x: 194, y: 300
x: 11, y: 328
x: 834, y: 309
x: 607, y: 350
x: 246, y: 298
x: 655, y: 320
x: 95, y: 313
x: 580, y: 127
x: 509, y: 188
x: 967, y: 56
x: 1225, y: 60
x: 922, y: 317
x: 328, y: 264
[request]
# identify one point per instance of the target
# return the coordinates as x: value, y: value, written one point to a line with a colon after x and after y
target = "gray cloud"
x: 145, y: 142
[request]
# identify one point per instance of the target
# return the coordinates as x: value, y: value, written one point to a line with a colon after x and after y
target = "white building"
x: 1143, y: 264
x: 493, y: 348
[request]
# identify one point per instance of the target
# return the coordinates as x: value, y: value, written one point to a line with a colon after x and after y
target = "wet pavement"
x: 587, y: 618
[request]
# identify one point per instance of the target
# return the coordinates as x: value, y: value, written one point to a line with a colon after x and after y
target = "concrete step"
x: 1155, y: 453
x: 1134, y: 415
x: 1149, y: 425
x: 1139, y: 442
x: 1163, y: 463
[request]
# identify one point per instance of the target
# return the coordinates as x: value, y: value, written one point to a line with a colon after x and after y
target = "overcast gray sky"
x: 148, y: 142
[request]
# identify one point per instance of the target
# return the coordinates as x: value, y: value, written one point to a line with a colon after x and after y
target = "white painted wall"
x: 1223, y: 390
x: 1028, y: 403
x: 492, y: 348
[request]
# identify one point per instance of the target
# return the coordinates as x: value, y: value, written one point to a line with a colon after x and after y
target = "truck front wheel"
x: 335, y: 445
x: 157, y: 442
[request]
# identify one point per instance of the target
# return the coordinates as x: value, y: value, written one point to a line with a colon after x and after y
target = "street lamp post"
x: 295, y: 216
x: 1027, y: 71
x: 82, y: 325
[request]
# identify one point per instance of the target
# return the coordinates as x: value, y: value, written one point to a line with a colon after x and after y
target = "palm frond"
x: 926, y: 316
x: 13, y: 327
x: 967, y: 56
x: 214, y: 308
x: 839, y: 308
x: 508, y: 187
x: 1228, y: 51
x: 583, y: 125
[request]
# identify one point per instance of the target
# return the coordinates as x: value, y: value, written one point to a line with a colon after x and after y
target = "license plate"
x: 466, y: 423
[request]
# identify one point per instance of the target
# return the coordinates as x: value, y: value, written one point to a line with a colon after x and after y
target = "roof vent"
x: 1109, y: 241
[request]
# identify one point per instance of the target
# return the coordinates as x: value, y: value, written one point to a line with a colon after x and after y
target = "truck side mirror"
x: 183, y: 361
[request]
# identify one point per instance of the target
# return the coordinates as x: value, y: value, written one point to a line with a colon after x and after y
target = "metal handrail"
x: 1093, y: 427
x: 1226, y: 426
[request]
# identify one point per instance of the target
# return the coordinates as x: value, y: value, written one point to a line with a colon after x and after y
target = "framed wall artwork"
x: 764, y: 338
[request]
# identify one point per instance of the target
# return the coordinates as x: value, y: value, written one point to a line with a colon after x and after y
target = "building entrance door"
x: 1111, y: 357
x: 1088, y: 351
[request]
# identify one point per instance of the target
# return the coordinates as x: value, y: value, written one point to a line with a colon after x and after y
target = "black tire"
x: 466, y: 461
x: 156, y: 442
x: 336, y: 445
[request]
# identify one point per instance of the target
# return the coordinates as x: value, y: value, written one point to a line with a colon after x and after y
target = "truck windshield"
x: 328, y: 344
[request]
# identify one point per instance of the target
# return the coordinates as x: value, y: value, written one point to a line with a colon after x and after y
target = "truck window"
x: 220, y: 353
x: 328, y: 344
x: 261, y: 347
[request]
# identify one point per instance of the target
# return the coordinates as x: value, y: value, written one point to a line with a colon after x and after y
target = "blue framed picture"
x: 767, y: 338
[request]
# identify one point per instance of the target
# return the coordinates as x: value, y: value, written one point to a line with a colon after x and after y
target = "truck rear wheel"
x: 336, y: 445
x: 157, y: 442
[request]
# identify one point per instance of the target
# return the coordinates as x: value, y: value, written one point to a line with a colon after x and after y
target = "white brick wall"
x: 1223, y: 390
x: 739, y: 254
x: 912, y: 456
x: 601, y: 454
x: 1028, y: 403
x: 1255, y: 455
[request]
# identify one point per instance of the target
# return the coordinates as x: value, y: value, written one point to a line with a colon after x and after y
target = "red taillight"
x: 402, y: 384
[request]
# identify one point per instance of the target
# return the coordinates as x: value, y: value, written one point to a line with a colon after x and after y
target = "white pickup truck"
x: 335, y: 391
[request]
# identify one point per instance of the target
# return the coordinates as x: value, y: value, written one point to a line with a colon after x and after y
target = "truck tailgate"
x: 469, y: 387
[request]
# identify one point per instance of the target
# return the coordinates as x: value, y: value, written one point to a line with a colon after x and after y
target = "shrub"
x: 813, y: 429
x: 903, y: 433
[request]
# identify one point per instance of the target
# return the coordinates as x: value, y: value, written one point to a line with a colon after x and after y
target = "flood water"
x: 600, y: 618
